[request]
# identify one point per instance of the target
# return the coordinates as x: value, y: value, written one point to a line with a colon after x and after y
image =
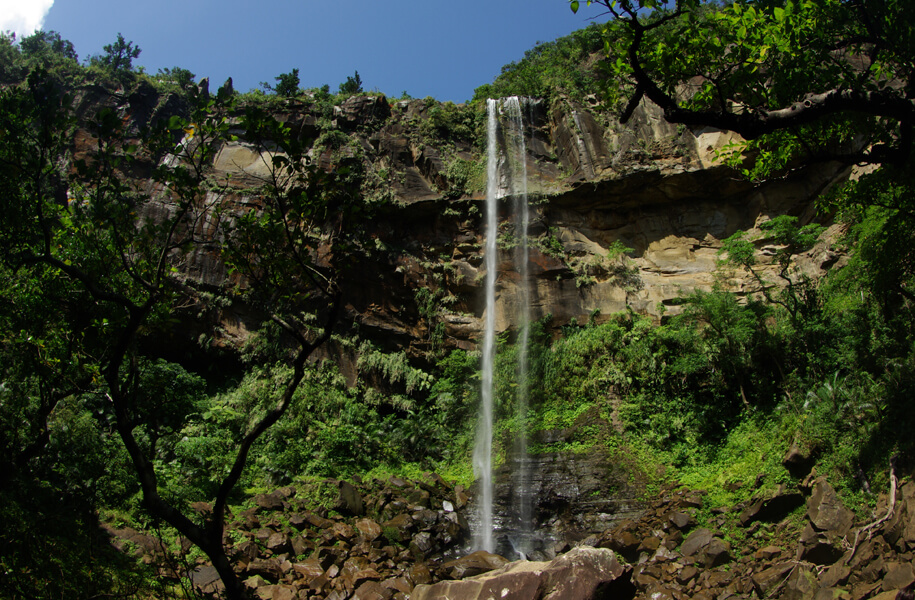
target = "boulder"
x: 696, y: 541
x: 272, y: 501
x: 398, y: 528
x: 349, y: 501
x: 473, y: 564
x: 773, y: 508
x: 798, y: 460
x: 584, y: 573
x: 826, y: 512
x: 369, y: 529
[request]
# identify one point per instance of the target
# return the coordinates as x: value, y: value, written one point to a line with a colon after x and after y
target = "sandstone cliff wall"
x: 594, y: 184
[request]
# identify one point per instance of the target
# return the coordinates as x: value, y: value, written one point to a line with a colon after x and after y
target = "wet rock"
x: 421, y: 545
x: 372, y: 590
x: 400, y: 527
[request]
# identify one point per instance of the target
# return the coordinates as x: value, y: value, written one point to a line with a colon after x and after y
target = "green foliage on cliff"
x: 566, y: 66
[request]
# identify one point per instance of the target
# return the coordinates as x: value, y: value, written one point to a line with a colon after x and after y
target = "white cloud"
x: 23, y: 17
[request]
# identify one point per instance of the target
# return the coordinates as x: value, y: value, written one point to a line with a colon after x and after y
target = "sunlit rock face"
x: 649, y: 186
x: 594, y: 184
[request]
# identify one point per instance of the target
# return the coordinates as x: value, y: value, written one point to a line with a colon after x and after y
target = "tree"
x: 178, y: 75
x: 801, y: 81
x: 118, y: 57
x: 106, y: 254
x: 818, y: 69
x: 287, y: 84
x: 46, y: 42
x: 352, y: 85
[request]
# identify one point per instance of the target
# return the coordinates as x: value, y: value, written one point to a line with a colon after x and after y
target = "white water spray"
x: 482, y: 452
x: 514, y: 159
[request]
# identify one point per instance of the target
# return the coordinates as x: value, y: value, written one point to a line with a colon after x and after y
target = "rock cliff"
x: 651, y: 187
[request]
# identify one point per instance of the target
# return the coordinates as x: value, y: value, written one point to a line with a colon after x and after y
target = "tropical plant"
x: 352, y: 85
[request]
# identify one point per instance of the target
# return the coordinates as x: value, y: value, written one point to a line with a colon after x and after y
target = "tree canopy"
x: 802, y: 81
x: 837, y: 74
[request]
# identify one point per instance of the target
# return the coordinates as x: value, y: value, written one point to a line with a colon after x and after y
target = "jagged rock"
x: 206, y: 579
x: 400, y: 526
x: 826, y: 512
x: 898, y: 576
x: 419, y: 574
x: 349, y: 501
x: 623, y: 542
x: 359, y: 110
x: 317, y: 521
x: 372, y: 590
x: 309, y: 569
x: 681, y: 520
x: 767, y: 579
x: 272, y: 501
x: 268, y: 568
x: 774, y: 508
x: 278, y: 543
x: 576, y: 575
x: 369, y: 529
x: 301, y: 545
x: 834, y: 576
x: 821, y: 552
x: 767, y: 553
x: 421, y: 544
x: 717, y: 552
x: 343, y: 532
x: 696, y: 541
x: 798, y: 460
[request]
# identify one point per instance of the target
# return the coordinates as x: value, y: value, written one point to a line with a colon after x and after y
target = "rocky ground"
x: 392, y: 541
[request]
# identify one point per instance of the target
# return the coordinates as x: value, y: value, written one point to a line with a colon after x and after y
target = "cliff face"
x: 649, y: 186
x: 594, y: 186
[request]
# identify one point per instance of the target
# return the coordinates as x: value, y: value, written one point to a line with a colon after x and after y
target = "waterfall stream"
x: 482, y: 452
x: 506, y: 172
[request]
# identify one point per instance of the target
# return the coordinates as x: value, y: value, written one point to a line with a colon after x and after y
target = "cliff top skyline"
x: 437, y: 49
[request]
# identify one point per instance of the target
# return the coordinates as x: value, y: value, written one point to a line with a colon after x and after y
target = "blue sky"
x: 432, y: 48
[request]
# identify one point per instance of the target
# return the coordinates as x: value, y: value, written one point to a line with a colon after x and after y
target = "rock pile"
x: 390, y: 541
x: 755, y: 550
x: 379, y: 541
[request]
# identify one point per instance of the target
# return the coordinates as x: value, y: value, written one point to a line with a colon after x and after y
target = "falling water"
x: 514, y: 185
x: 522, y: 500
x: 482, y: 452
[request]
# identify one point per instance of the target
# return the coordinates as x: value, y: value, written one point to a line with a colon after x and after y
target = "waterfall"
x: 506, y: 176
x: 482, y: 452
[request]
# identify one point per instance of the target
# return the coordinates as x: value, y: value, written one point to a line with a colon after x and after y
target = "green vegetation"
x: 352, y: 85
x: 567, y: 66
x: 117, y: 61
x: 287, y: 84
x: 99, y: 414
